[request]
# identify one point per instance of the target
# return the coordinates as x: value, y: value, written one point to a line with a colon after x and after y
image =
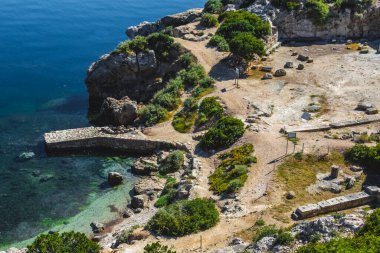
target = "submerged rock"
x: 97, y: 227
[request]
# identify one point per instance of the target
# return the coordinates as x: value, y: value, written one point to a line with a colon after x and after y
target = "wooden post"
x: 303, y: 146
x: 294, y: 147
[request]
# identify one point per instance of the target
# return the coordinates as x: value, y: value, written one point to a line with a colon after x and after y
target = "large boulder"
x: 144, y: 166
x: 119, y: 75
x: 139, y: 201
x: 115, y: 178
x: 149, y: 184
x: 117, y: 112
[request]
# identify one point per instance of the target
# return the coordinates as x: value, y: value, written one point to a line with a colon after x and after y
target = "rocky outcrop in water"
x: 146, y: 28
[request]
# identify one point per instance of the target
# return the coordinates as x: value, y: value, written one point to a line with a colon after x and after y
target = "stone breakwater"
x: 103, y: 141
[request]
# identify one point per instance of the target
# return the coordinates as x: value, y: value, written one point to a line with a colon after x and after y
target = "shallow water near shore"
x: 45, y: 50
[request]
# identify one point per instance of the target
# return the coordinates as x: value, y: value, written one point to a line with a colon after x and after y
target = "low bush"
x: 209, y: 20
x: 156, y: 247
x: 317, y: 10
x: 260, y: 222
x: 187, y: 59
x: 193, y: 74
x: 231, y: 173
x: 223, y: 134
x: 152, y: 114
x: 63, y: 243
x: 268, y: 230
x: 364, y: 155
x: 184, y: 217
x: 172, y: 163
x: 208, y: 109
x: 168, y: 194
x: 213, y: 6
x: 284, y: 238
x: 220, y: 43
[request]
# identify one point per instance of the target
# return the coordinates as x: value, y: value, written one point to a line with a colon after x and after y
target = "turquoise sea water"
x: 45, y: 50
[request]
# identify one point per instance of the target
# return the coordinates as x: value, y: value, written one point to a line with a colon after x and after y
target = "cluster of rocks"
x: 117, y: 112
x: 355, y: 136
x: 334, y: 180
x: 188, y: 32
x: 15, y: 250
x: 367, y: 107
x: 25, y: 156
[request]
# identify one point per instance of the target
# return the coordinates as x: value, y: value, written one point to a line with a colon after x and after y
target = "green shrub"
x: 246, y: 46
x: 293, y: 5
x: 156, y: 247
x: 193, y: 74
x: 209, y: 20
x: 166, y: 100
x: 187, y: 59
x: 66, y: 242
x: 364, y: 155
x: 209, y: 108
x: 269, y: 230
x: 284, y: 238
x: 318, y: 10
x: 172, y: 163
x: 372, y: 224
x: 152, y: 114
x: 260, y: 222
x: 231, y: 173
x: 123, y: 47
x: 138, y: 44
x: 223, y: 134
x: 354, y: 5
x: 184, y: 120
x: 213, y: 6
x: 184, y: 217
x: 220, y: 43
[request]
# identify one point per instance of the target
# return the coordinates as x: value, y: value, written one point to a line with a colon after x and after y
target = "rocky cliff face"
x: 341, y: 24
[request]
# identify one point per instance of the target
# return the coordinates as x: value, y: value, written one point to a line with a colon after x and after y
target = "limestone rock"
x: 143, y: 29
x: 280, y: 72
x: 149, y: 184
x: 371, y: 111
x: 300, y: 66
x: 335, y: 170
x: 263, y: 245
x: 144, y: 166
x: 267, y: 76
x: 117, y: 112
x: 115, y: 178
x: 229, y: 7
x: 139, y: 201
x: 290, y: 195
x: 302, y: 57
x: 364, y: 105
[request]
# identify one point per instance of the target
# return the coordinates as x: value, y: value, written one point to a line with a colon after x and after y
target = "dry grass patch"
x: 296, y: 174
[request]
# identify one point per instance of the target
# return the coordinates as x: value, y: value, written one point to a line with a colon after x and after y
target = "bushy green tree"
x: 193, y: 74
x: 184, y: 217
x: 68, y: 242
x: 223, y: 134
x: 220, y: 43
x: 138, y: 45
x: 209, y: 108
x: 163, y: 45
x: 246, y: 46
x: 213, y: 6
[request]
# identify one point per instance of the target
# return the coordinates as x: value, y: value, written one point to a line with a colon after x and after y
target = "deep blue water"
x: 45, y: 50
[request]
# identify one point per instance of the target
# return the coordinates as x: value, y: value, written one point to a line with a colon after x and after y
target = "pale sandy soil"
x: 342, y: 76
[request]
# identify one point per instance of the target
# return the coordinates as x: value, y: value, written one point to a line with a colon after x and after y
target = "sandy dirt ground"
x: 340, y: 76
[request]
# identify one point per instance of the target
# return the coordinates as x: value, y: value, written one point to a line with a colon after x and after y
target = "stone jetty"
x: 104, y: 141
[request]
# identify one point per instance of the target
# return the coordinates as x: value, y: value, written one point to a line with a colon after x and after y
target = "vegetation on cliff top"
x: 184, y: 217
x: 156, y: 247
x: 364, y: 155
x: 231, y: 173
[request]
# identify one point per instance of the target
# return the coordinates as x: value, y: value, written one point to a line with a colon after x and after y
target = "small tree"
x: 213, y: 6
x: 246, y: 46
x: 138, y: 45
